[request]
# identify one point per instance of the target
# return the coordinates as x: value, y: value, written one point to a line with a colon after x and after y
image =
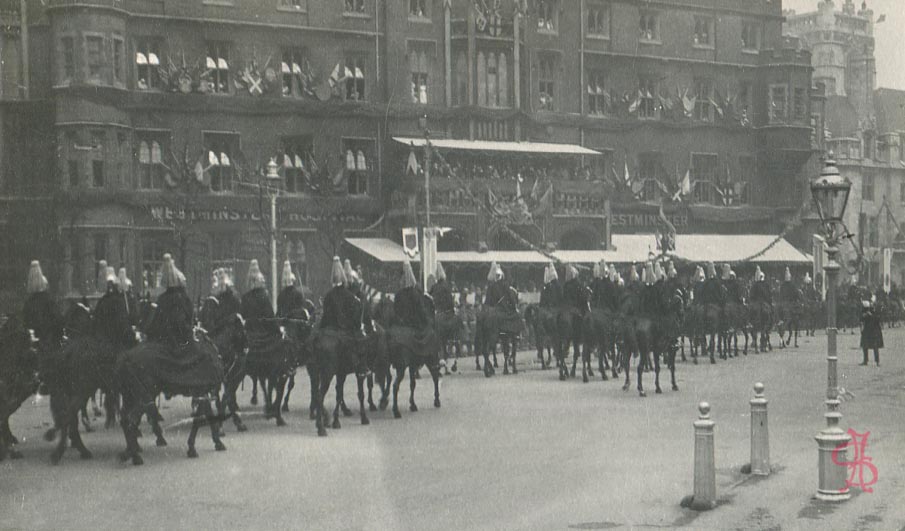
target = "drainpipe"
x: 23, y: 32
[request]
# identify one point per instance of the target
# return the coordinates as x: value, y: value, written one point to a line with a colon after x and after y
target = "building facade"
x: 865, y: 127
x: 161, y: 117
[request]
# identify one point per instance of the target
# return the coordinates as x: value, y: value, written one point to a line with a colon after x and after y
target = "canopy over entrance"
x: 528, y: 148
x: 628, y: 248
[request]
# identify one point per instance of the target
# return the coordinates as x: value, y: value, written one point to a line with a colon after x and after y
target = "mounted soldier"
x: 125, y: 286
x: 340, y: 312
x: 449, y: 325
x: 790, y: 300
x: 551, y: 296
x: 111, y: 316
x: 230, y: 302
x: 210, y: 306
x: 41, y: 315
x: 290, y: 301
x: 172, y: 323
x: 811, y: 299
x: 256, y: 306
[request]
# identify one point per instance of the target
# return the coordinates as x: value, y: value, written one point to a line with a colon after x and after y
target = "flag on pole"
x: 684, y: 187
x: 412, y: 165
x: 410, y: 241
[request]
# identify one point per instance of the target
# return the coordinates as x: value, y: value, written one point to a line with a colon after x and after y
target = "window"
x: 599, y: 20
x: 73, y: 171
x: 355, y: 78
x: 546, y: 89
x: 750, y: 36
x: 460, y: 90
x: 293, y: 76
x: 602, y: 166
x: 147, y: 61
x: 224, y: 249
x: 873, y: 235
x: 150, y: 153
x: 418, y: 8
x: 649, y: 27
x: 703, y: 31
x: 867, y: 145
x: 704, y: 176
x: 355, y: 6
x: 747, y: 166
x: 598, y: 99
x: 221, y: 150
x: 292, y: 4
x: 778, y: 111
x: 799, y: 104
x: 867, y: 187
x: 98, y: 151
x: 294, y: 251
x: 420, y: 55
x: 218, y: 66
x: 829, y: 85
x: 745, y: 102
x: 152, y: 251
x: 650, y: 169
x: 357, y: 157
x: 118, y: 56
x: 647, y: 90
x: 493, y: 79
x: 547, y: 14
x: 67, y: 52
x: 703, y: 108
x: 296, y: 154
x: 94, y: 47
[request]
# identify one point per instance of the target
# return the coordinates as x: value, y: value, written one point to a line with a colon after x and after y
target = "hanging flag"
x: 410, y: 241
x: 633, y: 106
x: 334, y: 76
x: 545, y: 202
x: 534, y: 189
x: 412, y: 165
x: 199, y: 172
x: 684, y: 187
x: 339, y: 180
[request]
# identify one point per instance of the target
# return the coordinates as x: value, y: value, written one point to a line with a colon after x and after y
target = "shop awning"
x: 535, y: 148
x: 628, y: 248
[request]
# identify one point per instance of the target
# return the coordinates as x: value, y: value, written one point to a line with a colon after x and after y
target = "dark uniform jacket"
x: 760, y: 292
x: 364, y: 309
x: 409, y: 308
x: 443, y: 299
x: 210, y: 312
x: 497, y: 293
x: 651, y: 300
x: 172, y: 324
x: 551, y: 296
x: 788, y: 293
x: 571, y: 293
x: 111, y: 320
x: 603, y: 294
x: 341, y: 311
x: 291, y: 303
x: 712, y: 292
x: 733, y: 291
x: 697, y: 292
x: 258, y: 313
x: 42, y: 315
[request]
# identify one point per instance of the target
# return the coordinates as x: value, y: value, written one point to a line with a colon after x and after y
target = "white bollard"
x: 760, y: 434
x: 704, y: 497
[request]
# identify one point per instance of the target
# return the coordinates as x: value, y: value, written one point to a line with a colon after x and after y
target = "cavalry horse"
x: 230, y: 341
x: 18, y: 378
x: 411, y: 349
x: 571, y: 320
x: 542, y: 323
x: 637, y: 333
x: 760, y: 323
x: 791, y: 313
x: 502, y: 324
x: 600, y: 331
x: 734, y: 321
x: 272, y: 360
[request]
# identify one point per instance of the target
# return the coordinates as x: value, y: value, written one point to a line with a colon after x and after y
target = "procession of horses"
x: 134, y: 349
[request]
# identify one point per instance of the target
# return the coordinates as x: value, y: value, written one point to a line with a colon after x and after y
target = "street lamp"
x: 273, y: 190
x: 429, y: 234
x: 830, y: 193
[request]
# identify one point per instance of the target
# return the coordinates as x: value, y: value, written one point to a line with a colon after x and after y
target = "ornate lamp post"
x: 273, y: 190
x: 429, y: 233
x: 830, y: 193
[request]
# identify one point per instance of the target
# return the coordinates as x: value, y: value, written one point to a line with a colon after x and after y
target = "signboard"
x: 166, y: 214
x: 645, y: 220
x: 429, y: 255
x: 410, y: 241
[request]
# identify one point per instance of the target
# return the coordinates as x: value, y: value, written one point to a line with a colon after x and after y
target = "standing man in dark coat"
x: 172, y: 324
x: 871, y: 330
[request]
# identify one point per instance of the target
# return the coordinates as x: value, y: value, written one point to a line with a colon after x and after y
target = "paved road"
x: 522, y: 452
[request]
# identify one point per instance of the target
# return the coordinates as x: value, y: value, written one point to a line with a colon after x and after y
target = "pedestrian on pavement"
x: 871, y: 331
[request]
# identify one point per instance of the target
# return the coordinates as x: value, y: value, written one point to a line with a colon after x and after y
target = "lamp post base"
x: 832, y: 485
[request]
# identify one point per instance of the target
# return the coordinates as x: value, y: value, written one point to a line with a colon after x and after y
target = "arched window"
x: 350, y: 159
x: 362, y: 161
x: 156, y: 157
x: 144, y: 154
x: 482, y: 79
x: 503, y: 76
x: 461, y: 96
x: 492, y: 96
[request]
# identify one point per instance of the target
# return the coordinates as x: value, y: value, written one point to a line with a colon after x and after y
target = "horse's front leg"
x: 323, y: 379
x: 435, y: 374
x: 289, y: 387
x: 340, y: 380
x: 640, y: 372
x: 370, y: 382
x: 657, y: 389
x: 413, y: 369
x: 279, y: 386
x: 361, y: 398
x: 400, y: 374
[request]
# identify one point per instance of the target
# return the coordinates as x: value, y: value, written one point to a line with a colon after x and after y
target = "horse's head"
x: 17, y: 346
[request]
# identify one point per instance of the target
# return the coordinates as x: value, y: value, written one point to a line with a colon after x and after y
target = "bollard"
x: 760, y: 434
x: 704, y: 497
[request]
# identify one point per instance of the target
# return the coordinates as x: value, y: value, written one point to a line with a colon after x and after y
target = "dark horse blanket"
x: 420, y: 343
x: 449, y: 326
x: 188, y: 370
x: 501, y: 320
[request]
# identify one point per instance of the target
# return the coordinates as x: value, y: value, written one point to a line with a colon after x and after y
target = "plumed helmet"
x: 732, y: 274
x: 347, y: 270
x: 35, y: 281
x: 711, y: 270
x: 726, y: 271
x: 550, y: 273
x: 102, y: 275
x: 226, y: 278
x: 571, y: 273
x: 597, y: 270
x: 255, y: 278
x: 337, y: 276
x: 170, y: 276
x: 807, y: 278
x: 658, y: 272
x: 649, y: 273
x: 124, y: 281
x: 288, y: 278
x: 759, y: 275
x: 619, y: 280
x: 111, y: 276
x: 633, y: 274
x: 671, y: 270
x: 441, y: 273
x: 498, y: 273
x: 353, y: 278
x: 699, y: 274
x: 408, y: 276
x: 614, y: 275
x: 491, y: 275
x: 215, y: 281
x: 788, y: 275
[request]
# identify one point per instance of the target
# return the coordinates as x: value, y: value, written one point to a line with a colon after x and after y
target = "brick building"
x: 163, y: 115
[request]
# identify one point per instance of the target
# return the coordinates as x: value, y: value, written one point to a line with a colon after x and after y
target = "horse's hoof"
x: 371, y: 407
x: 50, y: 435
x: 658, y: 391
x: 603, y: 376
x: 412, y: 407
x: 625, y: 387
x: 572, y: 373
x: 712, y: 361
x: 322, y: 432
x: 161, y: 442
x: 514, y: 370
x: 436, y: 402
x: 285, y: 408
x: 336, y: 424
x: 254, y: 400
x: 397, y: 414
x: 675, y: 387
x: 506, y: 371
x: 641, y: 393
x: 241, y: 428
x: 695, y: 361
x: 347, y: 412
x: 365, y: 421
x: 219, y: 446
x: 384, y: 404
x: 590, y: 373
x: 477, y: 366
x: 137, y: 460
x: 312, y: 415
x: 192, y: 453
x: 495, y: 366
x: 280, y: 421
x: 584, y: 378
x: 15, y: 454
x: 86, y: 454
